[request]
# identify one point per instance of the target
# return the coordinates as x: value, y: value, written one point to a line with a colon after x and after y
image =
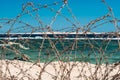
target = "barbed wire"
x: 56, y: 56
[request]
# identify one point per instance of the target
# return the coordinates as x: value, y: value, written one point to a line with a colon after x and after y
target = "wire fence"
x: 74, y: 52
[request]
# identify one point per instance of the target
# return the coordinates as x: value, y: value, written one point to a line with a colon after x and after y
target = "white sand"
x: 57, y: 70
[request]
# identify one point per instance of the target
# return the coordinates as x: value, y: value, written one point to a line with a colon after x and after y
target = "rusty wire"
x: 62, y: 61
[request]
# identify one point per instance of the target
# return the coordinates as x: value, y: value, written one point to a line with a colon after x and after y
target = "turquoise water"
x: 93, y: 51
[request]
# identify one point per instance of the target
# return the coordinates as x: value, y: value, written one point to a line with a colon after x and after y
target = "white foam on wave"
x: 61, y: 38
x: 20, y: 45
x: 13, y: 43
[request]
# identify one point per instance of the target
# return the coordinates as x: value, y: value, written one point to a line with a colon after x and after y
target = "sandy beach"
x: 21, y: 70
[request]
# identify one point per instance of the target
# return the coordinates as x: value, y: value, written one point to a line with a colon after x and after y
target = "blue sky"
x: 84, y: 10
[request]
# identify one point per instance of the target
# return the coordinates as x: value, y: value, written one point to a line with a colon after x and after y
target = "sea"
x: 96, y: 51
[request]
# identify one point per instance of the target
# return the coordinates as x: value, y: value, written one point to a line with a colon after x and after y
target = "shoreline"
x: 57, y: 70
